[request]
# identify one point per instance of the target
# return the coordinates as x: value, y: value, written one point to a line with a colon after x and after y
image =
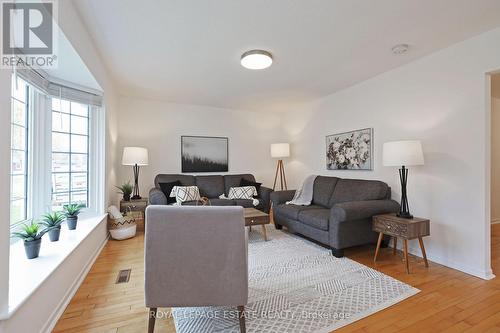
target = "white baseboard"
x: 59, y: 310
x: 485, y: 275
x: 495, y: 221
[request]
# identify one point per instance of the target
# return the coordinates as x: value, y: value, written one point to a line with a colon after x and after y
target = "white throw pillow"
x: 185, y: 193
x: 242, y: 192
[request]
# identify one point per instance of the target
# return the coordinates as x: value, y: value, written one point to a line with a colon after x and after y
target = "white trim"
x: 485, y: 275
x: 57, y: 313
x: 415, y: 251
x: 495, y: 221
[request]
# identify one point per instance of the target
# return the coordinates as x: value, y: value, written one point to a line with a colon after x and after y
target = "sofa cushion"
x: 323, y: 190
x: 186, y: 180
x: 316, y: 218
x: 166, y: 188
x: 292, y: 211
x: 358, y: 190
x: 213, y: 202
x: 245, y: 182
x: 210, y: 186
x: 235, y: 181
x: 242, y: 192
x: 246, y: 203
x: 185, y: 193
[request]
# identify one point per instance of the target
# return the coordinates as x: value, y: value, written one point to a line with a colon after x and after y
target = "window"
x: 57, y: 150
x: 19, y: 152
x: 70, y: 153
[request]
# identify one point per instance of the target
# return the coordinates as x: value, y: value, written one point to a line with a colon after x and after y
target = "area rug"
x: 298, y: 286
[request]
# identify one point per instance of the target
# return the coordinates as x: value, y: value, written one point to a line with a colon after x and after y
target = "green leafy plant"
x: 30, y: 232
x: 72, y: 210
x: 53, y: 219
x: 126, y: 189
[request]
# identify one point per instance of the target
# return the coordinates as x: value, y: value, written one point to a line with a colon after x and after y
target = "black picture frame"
x: 204, y: 154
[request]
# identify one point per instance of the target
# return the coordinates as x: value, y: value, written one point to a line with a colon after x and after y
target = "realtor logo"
x: 28, y: 34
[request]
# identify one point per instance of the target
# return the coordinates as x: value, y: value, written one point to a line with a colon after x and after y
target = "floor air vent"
x: 123, y: 276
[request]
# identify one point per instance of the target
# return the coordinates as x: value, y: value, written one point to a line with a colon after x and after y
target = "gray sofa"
x: 212, y: 187
x: 340, y: 215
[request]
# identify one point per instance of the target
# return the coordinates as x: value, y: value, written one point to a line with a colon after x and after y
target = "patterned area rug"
x: 298, y: 286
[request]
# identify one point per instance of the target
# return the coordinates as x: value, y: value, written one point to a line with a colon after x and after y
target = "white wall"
x: 441, y: 100
x: 158, y: 126
x: 495, y: 149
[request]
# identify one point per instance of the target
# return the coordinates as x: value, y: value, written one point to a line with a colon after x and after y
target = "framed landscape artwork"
x: 204, y: 154
x: 350, y: 150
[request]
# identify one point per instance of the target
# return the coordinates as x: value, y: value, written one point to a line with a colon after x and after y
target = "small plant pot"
x: 126, y: 197
x: 32, y: 248
x: 71, y: 221
x: 54, y: 234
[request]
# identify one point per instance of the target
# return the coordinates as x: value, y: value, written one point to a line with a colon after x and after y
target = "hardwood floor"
x: 449, y: 301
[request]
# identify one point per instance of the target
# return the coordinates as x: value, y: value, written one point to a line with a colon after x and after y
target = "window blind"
x: 37, y: 80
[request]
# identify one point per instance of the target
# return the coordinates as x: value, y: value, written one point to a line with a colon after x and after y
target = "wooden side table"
x: 254, y: 217
x: 397, y: 227
x: 136, y: 208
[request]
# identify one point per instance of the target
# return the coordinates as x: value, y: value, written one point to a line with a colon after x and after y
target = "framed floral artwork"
x: 350, y: 150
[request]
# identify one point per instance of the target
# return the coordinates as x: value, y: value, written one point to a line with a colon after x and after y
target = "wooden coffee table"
x: 256, y: 217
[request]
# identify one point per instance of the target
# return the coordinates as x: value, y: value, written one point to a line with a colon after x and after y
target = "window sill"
x: 26, y: 276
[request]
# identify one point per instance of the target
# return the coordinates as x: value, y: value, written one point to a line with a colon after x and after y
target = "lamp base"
x: 402, y: 215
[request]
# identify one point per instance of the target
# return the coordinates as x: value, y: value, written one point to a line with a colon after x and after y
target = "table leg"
x: 380, y: 236
x: 405, y: 243
x: 422, y: 248
x: 395, y: 243
x: 264, y: 232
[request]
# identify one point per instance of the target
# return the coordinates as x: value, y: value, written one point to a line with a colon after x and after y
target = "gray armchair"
x: 194, y: 257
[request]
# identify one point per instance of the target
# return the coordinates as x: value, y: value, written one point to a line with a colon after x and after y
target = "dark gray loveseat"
x: 340, y: 215
x: 211, y: 187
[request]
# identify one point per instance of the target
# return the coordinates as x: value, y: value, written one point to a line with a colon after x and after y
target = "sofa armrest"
x: 357, y: 210
x: 157, y: 197
x: 280, y: 197
x: 265, y: 196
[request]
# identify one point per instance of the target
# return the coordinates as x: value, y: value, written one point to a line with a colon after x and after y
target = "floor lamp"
x: 136, y: 157
x: 280, y: 150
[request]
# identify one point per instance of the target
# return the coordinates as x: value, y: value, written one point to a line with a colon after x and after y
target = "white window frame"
x: 39, y: 160
x: 28, y: 159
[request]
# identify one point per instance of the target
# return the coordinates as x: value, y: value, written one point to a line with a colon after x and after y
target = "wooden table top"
x: 393, y: 217
x: 253, y: 212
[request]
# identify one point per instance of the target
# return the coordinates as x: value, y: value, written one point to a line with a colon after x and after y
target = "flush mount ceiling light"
x: 256, y: 59
x: 400, y: 49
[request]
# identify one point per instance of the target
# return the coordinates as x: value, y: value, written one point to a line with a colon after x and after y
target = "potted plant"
x: 71, y: 212
x: 31, y: 234
x: 126, y: 190
x: 53, y: 222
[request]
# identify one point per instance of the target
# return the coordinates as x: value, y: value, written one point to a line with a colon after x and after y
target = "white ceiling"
x: 188, y: 51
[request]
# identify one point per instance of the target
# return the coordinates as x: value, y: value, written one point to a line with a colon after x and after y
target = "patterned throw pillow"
x: 185, y: 193
x: 242, y: 192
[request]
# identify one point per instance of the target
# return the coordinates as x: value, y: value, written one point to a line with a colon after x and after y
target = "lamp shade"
x: 280, y: 150
x: 399, y: 153
x: 135, y: 155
